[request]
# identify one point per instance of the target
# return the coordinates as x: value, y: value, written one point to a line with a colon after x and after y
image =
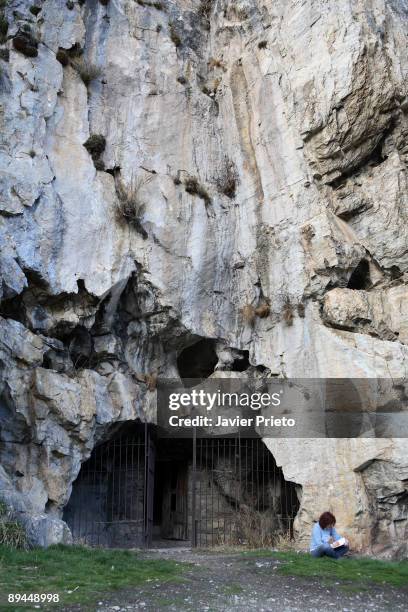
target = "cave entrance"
x: 111, y: 503
x: 197, y: 361
x: 360, y: 277
x: 171, y: 492
x: 139, y: 491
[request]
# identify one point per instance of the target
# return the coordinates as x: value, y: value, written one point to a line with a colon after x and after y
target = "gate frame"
x: 148, y: 506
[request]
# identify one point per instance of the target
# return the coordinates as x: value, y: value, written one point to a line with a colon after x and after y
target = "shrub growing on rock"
x: 287, y: 312
x: 25, y: 43
x: 227, y: 181
x: 12, y: 533
x: 95, y: 145
x: 62, y: 56
x: 86, y: 70
x: 248, y: 314
x: 301, y: 310
x: 204, y: 11
x: 130, y: 205
x: 193, y: 187
x: 263, y: 310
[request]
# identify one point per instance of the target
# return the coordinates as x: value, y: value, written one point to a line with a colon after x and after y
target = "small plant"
x: 263, y: 310
x: 216, y: 63
x: 248, y: 314
x: 12, y: 533
x: 287, y: 312
x: 254, y: 528
x: 204, y: 11
x: 86, y: 70
x: 301, y: 310
x: 176, y: 181
x: 210, y: 89
x: 75, y: 51
x: 182, y: 80
x: 32, y: 153
x: 284, y: 541
x: 130, y: 205
x: 262, y: 44
x: 151, y: 381
x: 193, y: 187
x: 174, y: 36
x: 25, y: 43
x: 95, y: 145
x: 308, y: 232
x: 70, y: 5
x: 227, y: 182
x: 62, y: 56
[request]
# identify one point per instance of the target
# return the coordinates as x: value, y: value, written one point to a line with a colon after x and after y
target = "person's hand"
x: 331, y: 540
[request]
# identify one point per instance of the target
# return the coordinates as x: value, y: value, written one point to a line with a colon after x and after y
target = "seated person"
x: 324, y: 535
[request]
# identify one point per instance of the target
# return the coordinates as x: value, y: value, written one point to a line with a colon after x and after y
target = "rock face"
x: 238, y: 154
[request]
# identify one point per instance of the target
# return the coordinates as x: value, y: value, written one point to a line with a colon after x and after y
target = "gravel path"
x: 232, y: 582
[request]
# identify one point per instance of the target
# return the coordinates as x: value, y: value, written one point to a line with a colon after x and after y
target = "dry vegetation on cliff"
x: 12, y: 533
x: 86, y: 70
x: 130, y: 205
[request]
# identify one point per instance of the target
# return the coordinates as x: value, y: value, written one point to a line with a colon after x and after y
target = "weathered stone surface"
x: 292, y: 119
x: 381, y: 313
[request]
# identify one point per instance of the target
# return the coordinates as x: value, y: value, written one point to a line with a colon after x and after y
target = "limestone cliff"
x: 169, y: 167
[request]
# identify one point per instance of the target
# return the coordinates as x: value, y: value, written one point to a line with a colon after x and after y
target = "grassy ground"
x: 84, y: 576
x: 78, y: 574
x: 358, y: 570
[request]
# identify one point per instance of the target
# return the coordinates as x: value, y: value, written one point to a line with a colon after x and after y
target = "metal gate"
x: 150, y: 459
x: 112, y: 499
x: 239, y: 494
x: 208, y: 491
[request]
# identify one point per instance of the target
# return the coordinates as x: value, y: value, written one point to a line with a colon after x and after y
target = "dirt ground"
x: 233, y: 582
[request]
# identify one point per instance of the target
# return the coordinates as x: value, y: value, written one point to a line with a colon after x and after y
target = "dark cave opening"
x: 139, y: 490
x: 360, y: 277
x: 80, y: 347
x: 241, y: 362
x: 197, y: 361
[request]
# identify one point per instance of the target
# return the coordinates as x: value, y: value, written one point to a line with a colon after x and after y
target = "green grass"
x: 358, y: 570
x: 87, y: 573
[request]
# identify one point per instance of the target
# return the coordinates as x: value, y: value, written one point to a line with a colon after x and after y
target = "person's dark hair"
x: 326, y: 519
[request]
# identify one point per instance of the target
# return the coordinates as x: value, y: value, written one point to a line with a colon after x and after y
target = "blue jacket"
x: 321, y: 536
